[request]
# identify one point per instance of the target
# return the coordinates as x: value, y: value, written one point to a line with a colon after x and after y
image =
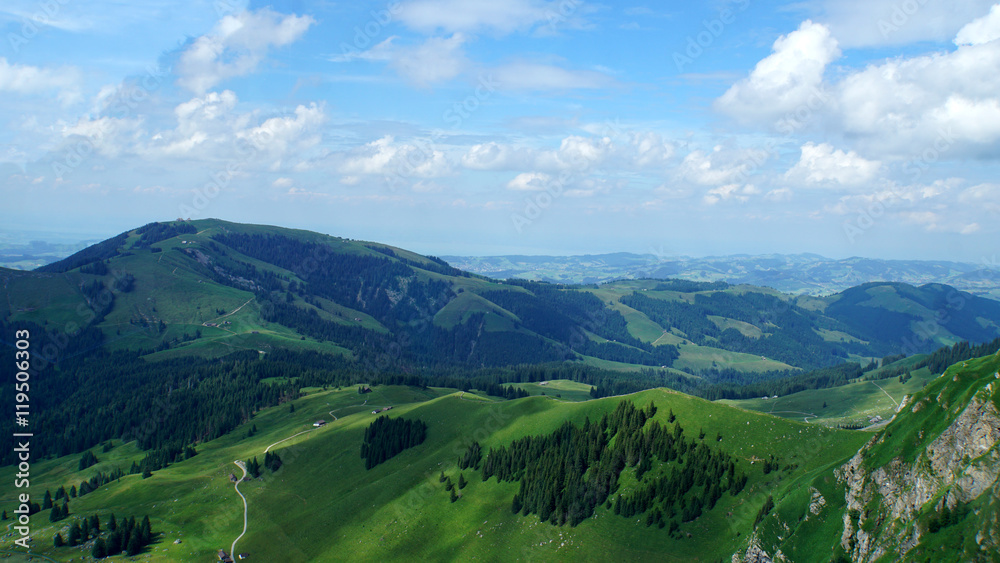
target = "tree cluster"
x: 564, y: 476
x: 387, y: 437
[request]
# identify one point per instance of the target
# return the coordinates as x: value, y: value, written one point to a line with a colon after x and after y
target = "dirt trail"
x: 236, y: 486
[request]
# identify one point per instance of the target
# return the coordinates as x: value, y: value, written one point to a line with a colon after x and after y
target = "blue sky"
x: 851, y: 128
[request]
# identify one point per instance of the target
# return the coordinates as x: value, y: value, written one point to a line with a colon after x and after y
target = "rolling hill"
x: 209, y: 287
x: 163, y: 356
x: 810, y: 492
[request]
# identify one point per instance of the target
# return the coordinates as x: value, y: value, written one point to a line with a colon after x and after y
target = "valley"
x: 219, y: 378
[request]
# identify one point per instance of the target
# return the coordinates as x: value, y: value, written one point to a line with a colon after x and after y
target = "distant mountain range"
x: 801, y: 274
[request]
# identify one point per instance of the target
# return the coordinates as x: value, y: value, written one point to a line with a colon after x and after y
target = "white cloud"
x: 283, y: 183
x: 629, y: 152
x: 786, y: 80
x: 385, y: 157
x: 735, y: 192
x: 495, y: 156
x: 981, y: 30
x: 462, y: 15
x: 721, y: 166
x: 537, y: 76
x: 435, y: 60
x: 236, y: 46
x: 867, y: 23
x: 26, y: 79
x: 901, y: 107
x: 821, y: 164
x: 529, y: 181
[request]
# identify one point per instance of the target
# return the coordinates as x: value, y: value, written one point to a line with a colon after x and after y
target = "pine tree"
x: 461, y: 481
x: 112, y: 523
x: 100, y: 550
x: 454, y: 496
x: 72, y: 491
x: 442, y: 478
x: 47, y: 501
x: 4, y: 515
x: 74, y: 534
x: 95, y: 524
x: 134, y: 545
x: 58, y: 541
x: 56, y: 514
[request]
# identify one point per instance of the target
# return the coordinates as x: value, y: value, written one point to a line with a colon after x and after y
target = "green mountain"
x: 209, y: 287
x: 301, y: 397
x: 647, y: 476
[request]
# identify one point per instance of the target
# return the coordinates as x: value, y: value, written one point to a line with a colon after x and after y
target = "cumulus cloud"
x: 385, y: 157
x: 735, y: 192
x: 867, y: 23
x: 631, y: 151
x: 529, y: 181
x: 948, y: 101
x: 981, y: 30
x: 236, y: 46
x: 27, y: 79
x: 787, y: 79
x: 821, y: 164
x: 721, y: 166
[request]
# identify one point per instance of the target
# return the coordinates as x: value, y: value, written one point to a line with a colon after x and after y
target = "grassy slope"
x: 853, y: 403
x: 323, y: 505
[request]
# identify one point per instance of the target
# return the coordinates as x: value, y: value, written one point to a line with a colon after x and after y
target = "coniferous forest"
x: 386, y: 437
x: 565, y: 475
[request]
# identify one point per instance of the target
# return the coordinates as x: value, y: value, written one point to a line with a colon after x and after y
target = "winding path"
x: 242, y: 466
x: 886, y: 394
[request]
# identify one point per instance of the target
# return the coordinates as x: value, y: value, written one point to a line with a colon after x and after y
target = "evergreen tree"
x: 100, y: 550
x: 74, y: 534
x: 4, y: 515
x: 58, y: 541
x: 454, y: 496
x: 56, y: 514
x: 442, y: 478
x: 461, y: 481
x: 134, y: 545
x: 72, y: 491
x: 112, y: 523
x: 47, y: 501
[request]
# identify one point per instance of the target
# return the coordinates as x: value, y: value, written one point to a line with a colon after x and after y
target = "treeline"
x: 941, y: 359
x: 371, y: 284
x: 126, y: 537
x: 95, y: 253
x: 166, y: 406
x: 153, y: 233
x: 565, y: 475
x: 386, y: 437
